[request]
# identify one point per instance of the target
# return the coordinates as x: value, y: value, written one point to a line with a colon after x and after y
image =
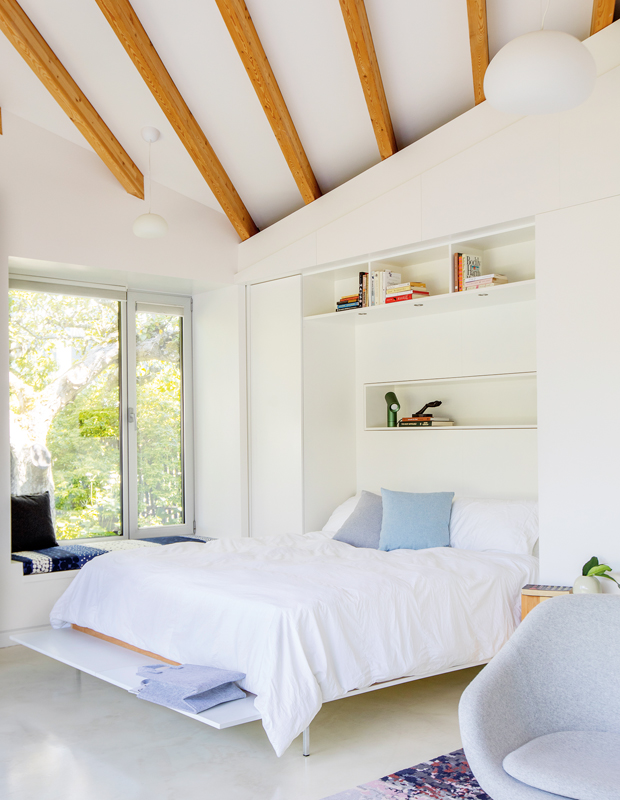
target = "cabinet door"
x: 275, y: 385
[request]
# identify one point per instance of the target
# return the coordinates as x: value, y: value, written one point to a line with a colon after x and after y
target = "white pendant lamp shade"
x: 150, y: 226
x: 540, y: 73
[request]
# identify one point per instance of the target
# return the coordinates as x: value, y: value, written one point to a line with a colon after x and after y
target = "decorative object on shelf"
x: 393, y: 407
x: 150, y: 226
x: 540, y: 73
x: 434, y: 404
x: 587, y: 582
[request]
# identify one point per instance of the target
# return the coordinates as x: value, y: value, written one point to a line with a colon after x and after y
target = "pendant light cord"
x: 542, y: 24
x: 150, y: 180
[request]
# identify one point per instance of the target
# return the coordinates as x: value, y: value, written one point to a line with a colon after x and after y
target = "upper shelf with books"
x: 436, y: 304
x: 431, y: 273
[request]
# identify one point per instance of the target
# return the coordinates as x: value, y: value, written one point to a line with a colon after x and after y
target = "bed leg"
x: 306, y: 741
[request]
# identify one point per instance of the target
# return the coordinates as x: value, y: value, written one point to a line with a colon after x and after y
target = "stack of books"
x: 427, y: 421
x: 483, y: 281
x: 465, y: 267
x: 405, y: 291
x: 348, y: 301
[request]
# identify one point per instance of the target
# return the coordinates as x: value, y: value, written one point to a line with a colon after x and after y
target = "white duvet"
x: 306, y: 618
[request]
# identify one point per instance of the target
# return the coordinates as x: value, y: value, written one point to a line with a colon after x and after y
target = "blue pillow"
x: 415, y: 521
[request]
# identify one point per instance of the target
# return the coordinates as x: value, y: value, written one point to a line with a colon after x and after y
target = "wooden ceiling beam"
x: 131, y: 34
x: 478, y: 44
x: 245, y: 38
x: 602, y: 15
x: 39, y: 56
x: 360, y: 36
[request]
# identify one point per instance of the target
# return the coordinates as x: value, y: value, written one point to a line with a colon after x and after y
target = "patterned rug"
x: 443, y: 778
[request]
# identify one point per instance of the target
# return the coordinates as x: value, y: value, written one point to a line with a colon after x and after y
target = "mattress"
x: 307, y: 619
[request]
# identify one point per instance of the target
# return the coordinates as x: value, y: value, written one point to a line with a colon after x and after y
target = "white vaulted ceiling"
x: 422, y: 48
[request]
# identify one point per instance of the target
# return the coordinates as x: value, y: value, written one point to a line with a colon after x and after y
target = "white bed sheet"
x: 306, y: 618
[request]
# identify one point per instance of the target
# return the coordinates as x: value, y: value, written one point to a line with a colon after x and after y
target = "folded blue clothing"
x: 176, y: 697
x: 189, y: 687
x: 192, y: 677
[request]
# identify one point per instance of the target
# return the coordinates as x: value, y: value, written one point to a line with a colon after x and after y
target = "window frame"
x: 127, y: 395
x: 187, y: 434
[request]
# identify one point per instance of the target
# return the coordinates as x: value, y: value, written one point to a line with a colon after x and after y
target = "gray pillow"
x: 363, y: 528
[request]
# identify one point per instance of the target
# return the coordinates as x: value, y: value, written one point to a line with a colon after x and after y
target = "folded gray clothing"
x: 178, y: 698
x: 192, y: 677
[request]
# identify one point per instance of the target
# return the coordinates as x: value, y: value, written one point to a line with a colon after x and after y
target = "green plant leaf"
x: 611, y: 579
x: 593, y: 562
x: 599, y: 570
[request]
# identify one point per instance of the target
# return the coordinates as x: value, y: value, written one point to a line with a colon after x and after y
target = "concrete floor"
x: 70, y: 737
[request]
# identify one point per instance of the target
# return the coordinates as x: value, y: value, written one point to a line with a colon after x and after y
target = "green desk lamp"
x: 393, y: 406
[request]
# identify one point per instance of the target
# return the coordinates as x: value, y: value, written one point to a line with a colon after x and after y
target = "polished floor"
x: 71, y: 737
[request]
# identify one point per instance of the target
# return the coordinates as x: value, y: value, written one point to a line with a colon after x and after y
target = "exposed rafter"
x: 39, y: 56
x: 246, y: 40
x: 478, y: 44
x: 602, y: 15
x: 360, y: 36
x: 133, y: 37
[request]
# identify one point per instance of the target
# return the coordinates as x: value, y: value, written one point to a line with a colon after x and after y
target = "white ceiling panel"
x: 424, y: 57
x: 308, y: 48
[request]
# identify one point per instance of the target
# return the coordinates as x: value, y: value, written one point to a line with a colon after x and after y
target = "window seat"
x: 73, y: 556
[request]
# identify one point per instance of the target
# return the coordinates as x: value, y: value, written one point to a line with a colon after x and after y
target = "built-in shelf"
x: 462, y: 428
x: 437, y: 304
x: 473, y: 402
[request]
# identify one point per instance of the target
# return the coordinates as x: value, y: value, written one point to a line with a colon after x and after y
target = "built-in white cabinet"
x: 318, y: 379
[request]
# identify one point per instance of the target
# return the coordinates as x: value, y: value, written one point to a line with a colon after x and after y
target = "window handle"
x: 131, y: 416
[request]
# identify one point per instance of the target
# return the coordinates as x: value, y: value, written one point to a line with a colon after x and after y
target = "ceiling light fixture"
x: 540, y: 73
x: 150, y: 226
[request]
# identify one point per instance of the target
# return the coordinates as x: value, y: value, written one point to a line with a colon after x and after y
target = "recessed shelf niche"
x: 505, y: 400
x: 510, y: 252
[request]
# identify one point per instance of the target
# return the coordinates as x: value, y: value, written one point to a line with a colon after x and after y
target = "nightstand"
x: 532, y: 595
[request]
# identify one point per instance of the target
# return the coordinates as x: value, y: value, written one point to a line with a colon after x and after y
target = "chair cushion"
x: 578, y: 764
x: 363, y: 527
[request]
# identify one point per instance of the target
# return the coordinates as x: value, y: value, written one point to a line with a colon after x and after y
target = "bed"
x: 306, y: 618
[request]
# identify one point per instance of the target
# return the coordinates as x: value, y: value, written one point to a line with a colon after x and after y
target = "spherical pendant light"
x: 540, y: 73
x: 150, y: 226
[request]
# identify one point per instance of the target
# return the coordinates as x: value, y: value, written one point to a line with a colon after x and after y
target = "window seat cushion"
x: 73, y: 556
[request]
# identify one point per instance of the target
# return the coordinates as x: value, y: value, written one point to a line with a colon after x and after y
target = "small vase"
x: 587, y: 584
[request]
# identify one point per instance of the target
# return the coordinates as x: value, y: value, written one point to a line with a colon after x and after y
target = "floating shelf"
x: 460, y: 428
x: 518, y: 292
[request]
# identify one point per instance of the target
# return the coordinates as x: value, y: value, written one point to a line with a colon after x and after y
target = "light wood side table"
x: 533, y: 594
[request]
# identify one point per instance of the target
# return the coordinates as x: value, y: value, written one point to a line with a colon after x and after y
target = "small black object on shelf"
x: 434, y: 404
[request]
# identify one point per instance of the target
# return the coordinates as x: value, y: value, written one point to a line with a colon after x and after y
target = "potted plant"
x: 587, y: 582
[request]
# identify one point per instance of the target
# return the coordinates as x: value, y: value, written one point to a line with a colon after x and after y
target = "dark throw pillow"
x: 31, y: 522
x: 363, y: 527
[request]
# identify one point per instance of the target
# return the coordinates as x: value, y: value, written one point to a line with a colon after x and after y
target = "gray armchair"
x: 558, y: 678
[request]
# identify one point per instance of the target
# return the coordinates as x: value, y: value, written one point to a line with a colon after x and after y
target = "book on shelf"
x: 465, y: 266
x: 406, y: 287
x: 350, y: 298
x: 428, y: 424
x: 426, y: 418
x: 397, y: 298
x: 380, y: 282
x: 544, y: 590
x: 495, y: 279
x: 347, y: 306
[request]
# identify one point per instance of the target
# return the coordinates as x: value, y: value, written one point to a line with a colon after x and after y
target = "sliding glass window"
x: 100, y: 408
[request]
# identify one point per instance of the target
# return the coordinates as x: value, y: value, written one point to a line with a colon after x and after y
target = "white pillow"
x: 341, y: 514
x: 507, y: 526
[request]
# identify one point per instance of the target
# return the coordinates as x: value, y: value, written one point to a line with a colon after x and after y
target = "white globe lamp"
x: 150, y: 226
x: 540, y: 73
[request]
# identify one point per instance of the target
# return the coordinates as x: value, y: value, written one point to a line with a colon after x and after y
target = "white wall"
x: 220, y: 413
x: 579, y: 387
x: 59, y: 203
